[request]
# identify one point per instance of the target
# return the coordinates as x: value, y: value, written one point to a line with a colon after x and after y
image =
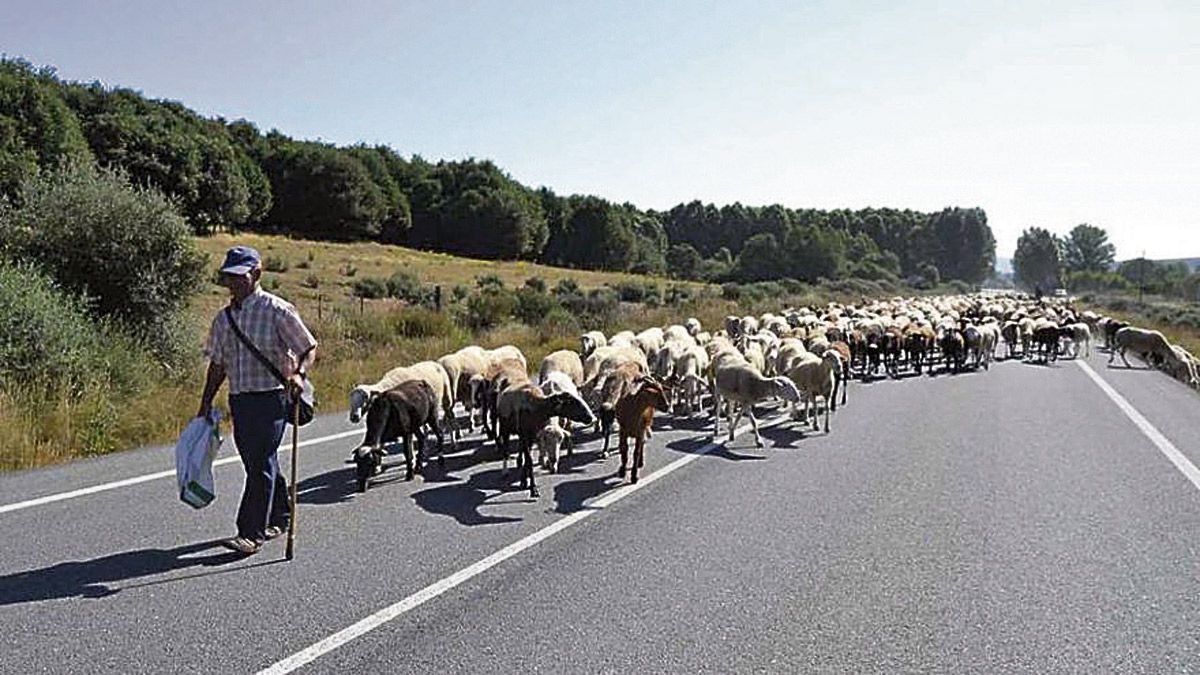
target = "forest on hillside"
x: 229, y: 175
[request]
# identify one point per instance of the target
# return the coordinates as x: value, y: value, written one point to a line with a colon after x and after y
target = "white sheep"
x: 549, y: 440
x: 743, y: 386
x: 693, y: 326
x: 430, y: 372
x: 815, y: 377
x: 688, y: 375
x: 589, y: 341
x: 465, y: 368
x: 1150, y: 344
x: 562, y: 361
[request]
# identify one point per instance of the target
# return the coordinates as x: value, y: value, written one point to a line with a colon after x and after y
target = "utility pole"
x: 1141, y: 275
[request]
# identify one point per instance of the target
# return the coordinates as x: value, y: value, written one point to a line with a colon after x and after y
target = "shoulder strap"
x: 253, y: 350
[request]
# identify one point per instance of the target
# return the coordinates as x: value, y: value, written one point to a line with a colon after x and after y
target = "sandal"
x: 241, y: 545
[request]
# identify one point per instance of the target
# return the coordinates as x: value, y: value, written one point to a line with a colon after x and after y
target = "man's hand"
x: 295, y: 385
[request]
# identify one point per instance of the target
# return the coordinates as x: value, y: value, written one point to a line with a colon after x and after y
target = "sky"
x: 1044, y: 114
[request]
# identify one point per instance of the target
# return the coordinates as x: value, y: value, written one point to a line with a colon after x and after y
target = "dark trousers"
x: 258, y: 423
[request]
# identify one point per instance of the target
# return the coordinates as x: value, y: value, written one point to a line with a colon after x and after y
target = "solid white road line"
x: 437, y: 588
x: 49, y: 499
x: 1164, y: 445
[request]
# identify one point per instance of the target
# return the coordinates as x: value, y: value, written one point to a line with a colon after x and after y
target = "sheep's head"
x: 360, y: 398
x: 786, y: 389
x: 368, y: 462
x: 565, y: 404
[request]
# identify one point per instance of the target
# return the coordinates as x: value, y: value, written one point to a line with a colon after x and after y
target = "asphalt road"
x: 1013, y: 520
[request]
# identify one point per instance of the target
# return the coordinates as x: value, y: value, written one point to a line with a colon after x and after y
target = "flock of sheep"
x: 804, y: 357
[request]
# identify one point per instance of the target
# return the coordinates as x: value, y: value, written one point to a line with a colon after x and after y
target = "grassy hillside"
x: 360, y: 340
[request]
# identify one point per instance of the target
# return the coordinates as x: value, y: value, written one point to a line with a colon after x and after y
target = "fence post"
x: 361, y: 304
x: 437, y: 297
x: 319, y: 299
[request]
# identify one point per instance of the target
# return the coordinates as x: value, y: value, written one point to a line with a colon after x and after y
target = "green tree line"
x: 229, y: 174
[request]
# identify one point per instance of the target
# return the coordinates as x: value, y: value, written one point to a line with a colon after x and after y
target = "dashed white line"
x: 1156, y: 437
x: 437, y: 588
x: 104, y: 487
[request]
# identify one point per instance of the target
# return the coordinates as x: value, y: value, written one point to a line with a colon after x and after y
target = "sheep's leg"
x: 639, y: 448
x: 526, y: 453
x: 716, y: 415
x: 606, y: 429
x: 570, y: 443
x: 623, y: 445
x: 734, y: 420
x: 758, y: 441
x: 827, y: 413
x: 408, y: 457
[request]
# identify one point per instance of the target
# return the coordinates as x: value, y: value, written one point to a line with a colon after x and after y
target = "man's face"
x: 239, y: 285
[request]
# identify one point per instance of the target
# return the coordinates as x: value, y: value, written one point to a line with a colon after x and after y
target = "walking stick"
x: 291, y: 536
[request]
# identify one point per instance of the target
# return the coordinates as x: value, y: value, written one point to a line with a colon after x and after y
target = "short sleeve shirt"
x: 275, y: 328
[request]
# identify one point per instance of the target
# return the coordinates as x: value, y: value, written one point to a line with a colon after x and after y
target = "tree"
x: 126, y: 248
x: 38, y: 131
x: 1087, y: 249
x: 683, y: 261
x: 1036, y: 261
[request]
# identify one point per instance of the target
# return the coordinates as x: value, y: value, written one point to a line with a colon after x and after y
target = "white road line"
x: 50, y: 499
x: 437, y: 588
x: 1164, y: 445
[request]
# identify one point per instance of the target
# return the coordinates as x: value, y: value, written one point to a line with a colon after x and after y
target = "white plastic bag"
x: 194, y: 455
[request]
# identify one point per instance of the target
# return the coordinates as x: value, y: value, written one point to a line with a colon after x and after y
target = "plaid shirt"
x: 272, y: 324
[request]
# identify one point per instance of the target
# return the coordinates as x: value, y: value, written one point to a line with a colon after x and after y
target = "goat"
x: 635, y: 414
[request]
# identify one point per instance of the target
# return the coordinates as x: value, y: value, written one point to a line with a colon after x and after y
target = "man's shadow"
x: 88, y: 578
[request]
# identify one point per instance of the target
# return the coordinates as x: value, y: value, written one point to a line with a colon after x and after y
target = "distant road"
x: 1023, y: 519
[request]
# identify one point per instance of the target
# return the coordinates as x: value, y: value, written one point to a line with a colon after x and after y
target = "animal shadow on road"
x: 90, y: 578
x: 461, y: 501
x: 786, y: 436
x: 569, y: 496
x: 340, y: 485
x: 697, y: 444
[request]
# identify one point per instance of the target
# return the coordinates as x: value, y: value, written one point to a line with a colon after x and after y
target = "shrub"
x: 489, y: 309
x: 127, y: 248
x: 532, y: 306
x: 370, y: 288
x: 567, y: 287
x: 407, y: 287
x: 271, y: 284
x: 311, y: 281
x: 597, y: 308
x: 637, y: 291
x: 303, y: 265
x: 459, y: 293
x: 536, y: 283
x: 274, y: 263
x: 489, y: 282
x: 403, y: 322
x: 45, y: 335
x: 348, y: 270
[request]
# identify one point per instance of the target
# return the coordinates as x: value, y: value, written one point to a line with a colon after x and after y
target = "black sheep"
x: 397, y: 415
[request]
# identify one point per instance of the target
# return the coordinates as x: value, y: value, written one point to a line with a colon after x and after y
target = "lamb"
x: 549, y: 440
x: 635, y: 414
x: 397, y: 414
x: 693, y: 326
x: 816, y: 377
x: 523, y: 409
x: 743, y: 387
x: 1149, y: 344
x: 556, y: 382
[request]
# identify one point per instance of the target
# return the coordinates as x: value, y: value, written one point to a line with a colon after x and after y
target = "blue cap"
x: 240, y: 260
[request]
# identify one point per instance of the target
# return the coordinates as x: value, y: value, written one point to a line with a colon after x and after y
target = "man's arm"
x: 212, y: 382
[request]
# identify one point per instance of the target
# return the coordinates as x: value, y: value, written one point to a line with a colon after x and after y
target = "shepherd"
x: 256, y: 321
